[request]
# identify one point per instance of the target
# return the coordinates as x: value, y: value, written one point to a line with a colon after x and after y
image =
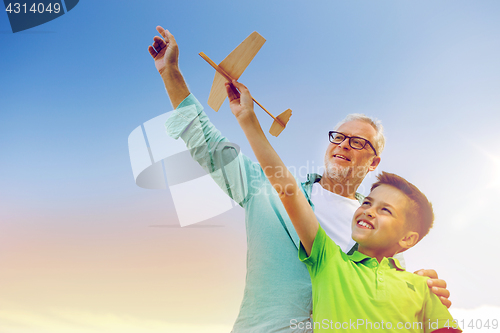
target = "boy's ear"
x: 409, y: 239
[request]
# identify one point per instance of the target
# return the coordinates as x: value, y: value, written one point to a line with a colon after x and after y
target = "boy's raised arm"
x: 294, y: 201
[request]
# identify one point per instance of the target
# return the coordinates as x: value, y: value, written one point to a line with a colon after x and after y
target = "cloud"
x: 63, y: 321
x: 482, y: 319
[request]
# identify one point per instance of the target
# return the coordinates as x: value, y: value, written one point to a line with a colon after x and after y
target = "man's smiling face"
x: 341, y: 161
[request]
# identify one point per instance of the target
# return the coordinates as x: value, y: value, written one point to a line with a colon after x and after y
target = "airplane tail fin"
x: 280, y: 123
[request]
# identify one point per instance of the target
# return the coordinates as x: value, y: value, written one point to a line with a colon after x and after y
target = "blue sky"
x: 74, y: 88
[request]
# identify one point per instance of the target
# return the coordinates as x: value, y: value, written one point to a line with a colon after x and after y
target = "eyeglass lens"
x: 356, y: 143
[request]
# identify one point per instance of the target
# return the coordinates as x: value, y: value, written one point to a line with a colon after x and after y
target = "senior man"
x: 277, y: 296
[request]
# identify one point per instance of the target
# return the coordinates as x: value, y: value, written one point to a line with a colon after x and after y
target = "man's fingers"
x: 161, y: 31
x: 169, y: 38
x: 438, y: 287
x: 427, y: 272
x: 445, y: 301
x: 159, y: 43
x: 164, y: 33
x: 436, y: 283
x: 441, y: 292
x: 152, y: 51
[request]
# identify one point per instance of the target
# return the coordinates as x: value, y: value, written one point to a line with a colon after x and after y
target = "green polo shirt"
x: 356, y: 293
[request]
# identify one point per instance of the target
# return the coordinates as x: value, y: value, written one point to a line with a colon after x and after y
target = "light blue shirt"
x: 278, y: 292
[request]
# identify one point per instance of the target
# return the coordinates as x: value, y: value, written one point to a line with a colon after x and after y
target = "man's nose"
x: 345, y: 144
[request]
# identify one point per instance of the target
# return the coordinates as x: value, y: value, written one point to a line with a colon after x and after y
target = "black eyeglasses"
x: 354, y: 141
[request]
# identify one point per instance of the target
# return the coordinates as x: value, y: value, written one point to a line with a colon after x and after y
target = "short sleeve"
x: 323, y: 250
x: 437, y: 316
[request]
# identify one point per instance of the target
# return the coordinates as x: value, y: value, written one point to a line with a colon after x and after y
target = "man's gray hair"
x: 379, y: 139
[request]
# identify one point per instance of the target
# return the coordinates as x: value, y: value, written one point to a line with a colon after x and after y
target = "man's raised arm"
x: 221, y: 159
x: 165, y: 52
x: 294, y: 201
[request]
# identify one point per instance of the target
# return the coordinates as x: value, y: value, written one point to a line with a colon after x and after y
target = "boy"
x: 368, y: 290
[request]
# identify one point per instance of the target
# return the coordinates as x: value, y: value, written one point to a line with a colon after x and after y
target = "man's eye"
x: 337, y: 137
x: 357, y: 142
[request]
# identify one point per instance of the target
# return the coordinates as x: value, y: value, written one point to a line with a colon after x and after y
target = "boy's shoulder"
x: 411, y: 283
x: 408, y: 276
x: 390, y: 271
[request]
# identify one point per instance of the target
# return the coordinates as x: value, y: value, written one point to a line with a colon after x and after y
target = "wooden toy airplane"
x: 231, y: 68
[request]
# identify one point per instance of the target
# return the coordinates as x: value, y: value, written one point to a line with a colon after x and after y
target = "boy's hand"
x: 164, y: 50
x: 438, y: 286
x: 240, y: 102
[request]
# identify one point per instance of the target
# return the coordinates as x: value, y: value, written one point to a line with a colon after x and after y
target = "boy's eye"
x: 387, y: 210
x: 366, y: 203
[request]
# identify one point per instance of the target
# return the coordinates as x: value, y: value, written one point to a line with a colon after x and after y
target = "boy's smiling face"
x: 379, y: 226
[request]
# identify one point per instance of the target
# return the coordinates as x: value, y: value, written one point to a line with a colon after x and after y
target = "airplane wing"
x: 234, y: 64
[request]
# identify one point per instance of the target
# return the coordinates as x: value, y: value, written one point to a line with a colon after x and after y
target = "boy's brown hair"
x: 420, y: 215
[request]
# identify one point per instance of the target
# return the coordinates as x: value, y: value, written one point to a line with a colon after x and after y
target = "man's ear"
x: 409, y: 239
x: 375, y: 163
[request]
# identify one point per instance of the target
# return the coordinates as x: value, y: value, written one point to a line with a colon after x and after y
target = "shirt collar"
x: 314, y: 178
x: 395, y: 264
x: 359, y: 257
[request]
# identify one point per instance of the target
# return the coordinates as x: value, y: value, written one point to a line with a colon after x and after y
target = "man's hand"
x: 166, y: 55
x: 437, y: 285
x: 164, y: 51
x: 241, y: 104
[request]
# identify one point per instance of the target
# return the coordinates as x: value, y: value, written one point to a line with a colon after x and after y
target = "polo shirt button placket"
x: 381, y: 274
x: 381, y: 290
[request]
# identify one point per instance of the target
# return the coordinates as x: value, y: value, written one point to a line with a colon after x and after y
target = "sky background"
x: 84, y: 249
